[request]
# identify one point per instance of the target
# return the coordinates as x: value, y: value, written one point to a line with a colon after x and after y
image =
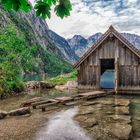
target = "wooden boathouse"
x: 111, y: 51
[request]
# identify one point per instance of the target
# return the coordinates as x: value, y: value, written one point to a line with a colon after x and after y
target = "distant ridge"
x: 80, y: 45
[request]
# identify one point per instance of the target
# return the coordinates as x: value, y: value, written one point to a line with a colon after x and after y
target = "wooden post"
x: 98, y: 74
x: 98, y: 77
x: 116, y: 75
x: 116, y: 65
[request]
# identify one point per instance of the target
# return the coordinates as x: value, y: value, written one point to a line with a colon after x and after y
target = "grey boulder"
x: 20, y: 111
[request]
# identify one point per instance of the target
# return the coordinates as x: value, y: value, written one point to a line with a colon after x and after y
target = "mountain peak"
x: 78, y: 36
x: 80, y: 45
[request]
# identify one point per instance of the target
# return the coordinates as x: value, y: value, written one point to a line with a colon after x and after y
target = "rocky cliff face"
x: 63, y: 46
x: 92, y: 39
x: 78, y: 44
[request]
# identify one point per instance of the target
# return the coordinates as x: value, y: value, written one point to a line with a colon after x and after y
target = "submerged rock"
x: 106, y: 102
x: 80, y: 118
x: 86, y: 122
x: 86, y: 110
x: 121, y: 118
x: 20, y: 111
x: 90, y: 122
x: 122, y: 102
x: 121, y: 131
x: 3, y: 114
x: 121, y: 110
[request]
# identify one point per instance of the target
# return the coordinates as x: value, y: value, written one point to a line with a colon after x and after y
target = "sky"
x: 91, y: 16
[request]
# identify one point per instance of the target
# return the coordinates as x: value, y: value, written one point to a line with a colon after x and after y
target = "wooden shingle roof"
x: 120, y: 37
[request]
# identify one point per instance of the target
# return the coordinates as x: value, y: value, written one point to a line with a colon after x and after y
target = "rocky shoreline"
x: 32, y: 85
x: 28, y: 86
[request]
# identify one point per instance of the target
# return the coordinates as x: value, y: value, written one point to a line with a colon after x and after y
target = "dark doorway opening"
x: 107, y: 78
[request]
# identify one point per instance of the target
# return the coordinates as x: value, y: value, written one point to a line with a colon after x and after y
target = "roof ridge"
x: 127, y: 42
x: 101, y: 39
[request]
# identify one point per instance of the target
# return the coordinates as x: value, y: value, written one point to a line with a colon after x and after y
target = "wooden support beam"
x: 116, y: 75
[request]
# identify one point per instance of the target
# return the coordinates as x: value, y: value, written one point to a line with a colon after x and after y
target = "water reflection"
x: 61, y: 126
x: 107, y: 79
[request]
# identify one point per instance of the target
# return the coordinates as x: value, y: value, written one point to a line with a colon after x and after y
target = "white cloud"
x: 91, y: 16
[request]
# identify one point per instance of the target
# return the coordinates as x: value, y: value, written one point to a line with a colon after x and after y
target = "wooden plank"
x: 44, y: 106
x: 128, y: 57
x: 63, y: 99
x: 100, y: 52
x: 135, y: 76
x: 34, y: 105
x: 122, y: 56
x: 92, y: 93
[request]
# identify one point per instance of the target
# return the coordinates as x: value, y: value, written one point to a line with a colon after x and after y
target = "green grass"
x: 62, y: 79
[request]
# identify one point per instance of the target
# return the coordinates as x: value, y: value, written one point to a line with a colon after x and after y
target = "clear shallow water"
x: 135, y: 112
x: 15, y: 102
x: 101, y: 118
x: 61, y: 126
x: 107, y: 118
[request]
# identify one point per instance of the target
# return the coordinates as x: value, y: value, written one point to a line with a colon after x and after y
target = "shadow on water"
x: 61, y: 126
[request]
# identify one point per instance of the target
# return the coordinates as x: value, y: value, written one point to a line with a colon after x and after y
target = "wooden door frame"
x: 115, y: 74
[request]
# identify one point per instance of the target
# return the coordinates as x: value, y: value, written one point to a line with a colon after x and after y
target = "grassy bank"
x: 62, y: 79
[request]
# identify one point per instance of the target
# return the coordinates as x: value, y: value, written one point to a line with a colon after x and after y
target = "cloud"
x: 91, y: 16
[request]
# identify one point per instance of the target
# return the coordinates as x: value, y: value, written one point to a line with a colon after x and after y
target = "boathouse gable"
x: 111, y: 51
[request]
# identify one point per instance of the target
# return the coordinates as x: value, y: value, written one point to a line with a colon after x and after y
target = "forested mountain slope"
x: 48, y: 57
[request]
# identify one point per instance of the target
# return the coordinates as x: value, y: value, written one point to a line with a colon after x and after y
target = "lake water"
x: 107, y: 79
x: 107, y: 118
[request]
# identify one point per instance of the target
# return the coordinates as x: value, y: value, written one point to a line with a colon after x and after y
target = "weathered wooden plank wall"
x: 111, y: 48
